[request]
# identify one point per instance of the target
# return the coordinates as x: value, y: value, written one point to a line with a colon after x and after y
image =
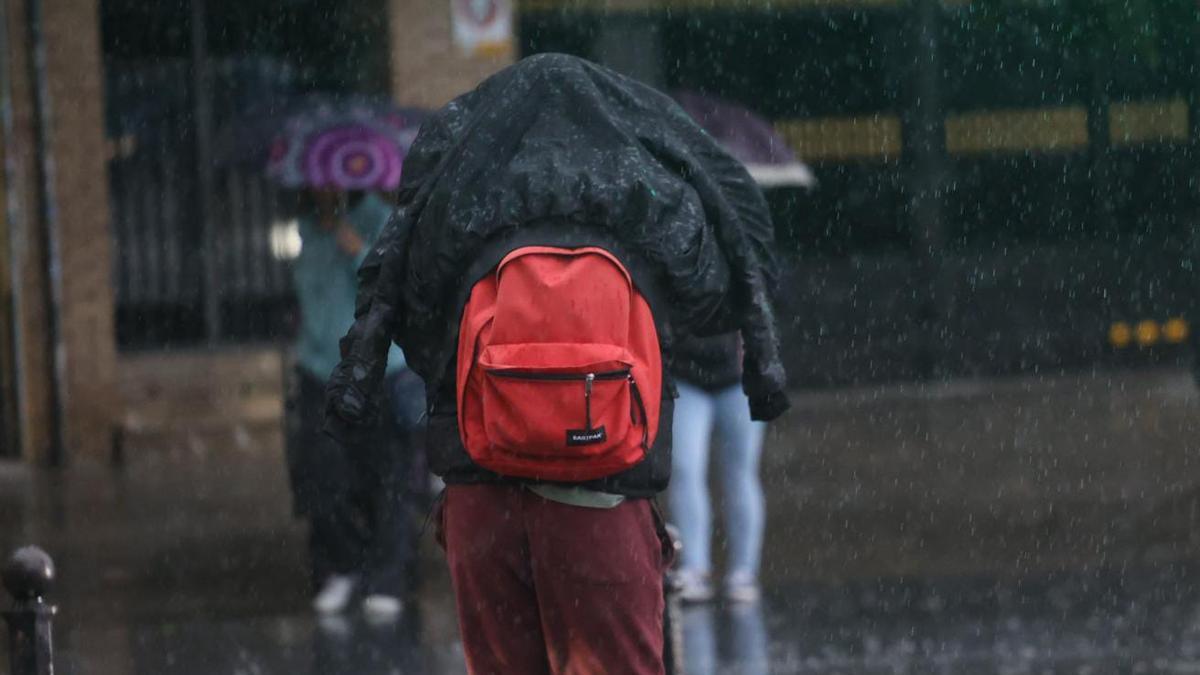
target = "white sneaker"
x: 742, y: 587
x: 334, y: 595
x: 694, y: 586
x: 380, y: 608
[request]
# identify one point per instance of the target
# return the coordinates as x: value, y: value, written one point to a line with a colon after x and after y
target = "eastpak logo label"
x: 586, y: 436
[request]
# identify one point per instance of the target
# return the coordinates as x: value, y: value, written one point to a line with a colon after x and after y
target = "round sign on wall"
x: 483, y: 26
x: 479, y: 12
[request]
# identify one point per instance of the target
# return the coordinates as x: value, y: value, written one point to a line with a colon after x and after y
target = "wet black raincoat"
x: 555, y: 150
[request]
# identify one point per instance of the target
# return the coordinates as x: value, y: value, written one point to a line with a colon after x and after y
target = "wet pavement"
x: 1030, y: 525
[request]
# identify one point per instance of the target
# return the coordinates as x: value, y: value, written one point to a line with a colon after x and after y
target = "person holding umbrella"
x: 359, y: 502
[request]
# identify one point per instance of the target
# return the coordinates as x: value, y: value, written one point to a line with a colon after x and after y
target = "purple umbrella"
x: 351, y: 146
x: 749, y: 138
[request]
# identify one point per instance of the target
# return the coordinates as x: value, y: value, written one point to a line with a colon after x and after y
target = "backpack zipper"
x: 635, y: 399
x: 587, y: 399
x: 519, y: 374
x: 636, y: 405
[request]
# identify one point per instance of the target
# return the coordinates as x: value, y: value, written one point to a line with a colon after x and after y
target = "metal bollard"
x: 28, y: 577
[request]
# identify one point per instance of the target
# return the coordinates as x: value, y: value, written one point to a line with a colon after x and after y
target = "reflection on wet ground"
x: 1144, y: 620
x: 1113, y: 621
x: 1012, y: 526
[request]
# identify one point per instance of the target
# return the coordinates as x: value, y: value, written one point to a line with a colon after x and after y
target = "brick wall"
x: 427, y: 68
x: 75, y: 76
x: 79, y: 194
x: 202, y: 391
x: 26, y: 240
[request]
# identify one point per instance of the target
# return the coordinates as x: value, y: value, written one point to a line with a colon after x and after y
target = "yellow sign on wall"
x: 1043, y: 129
x: 1148, y: 122
x: 834, y: 138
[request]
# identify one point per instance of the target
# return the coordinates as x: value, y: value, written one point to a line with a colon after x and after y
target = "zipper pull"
x: 634, y: 399
x: 587, y: 397
x: 636, y: 403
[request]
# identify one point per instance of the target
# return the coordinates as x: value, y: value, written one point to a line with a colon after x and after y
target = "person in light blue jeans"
x: 708, y: 374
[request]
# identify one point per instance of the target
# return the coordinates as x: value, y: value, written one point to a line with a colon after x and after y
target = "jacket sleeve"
x: 735, y: 205
x: 354, y: 391
x: 749, y: 244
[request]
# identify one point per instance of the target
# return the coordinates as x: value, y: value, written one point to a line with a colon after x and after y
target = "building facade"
x: 59, y: 354
x: 126, y: 238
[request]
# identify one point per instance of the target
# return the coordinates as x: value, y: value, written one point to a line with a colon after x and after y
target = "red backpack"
x: 559, y: 368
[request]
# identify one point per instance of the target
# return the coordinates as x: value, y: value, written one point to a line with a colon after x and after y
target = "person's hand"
x: 349, y: 240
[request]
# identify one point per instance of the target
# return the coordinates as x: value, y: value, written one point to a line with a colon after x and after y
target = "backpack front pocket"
x: 537, y: 413
x: 552, y: 350
x: 558, y: 401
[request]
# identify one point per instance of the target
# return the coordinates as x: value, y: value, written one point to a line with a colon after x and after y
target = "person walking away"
x: 560, y: 379
x: 555, y: 227
x: 708, y: 372
x: 357, y: 502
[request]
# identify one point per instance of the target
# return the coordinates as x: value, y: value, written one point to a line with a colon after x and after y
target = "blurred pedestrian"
x: 708, y: 373
x: 358, y: 501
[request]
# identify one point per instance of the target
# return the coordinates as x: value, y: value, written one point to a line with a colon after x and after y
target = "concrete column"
x: 927, y: 171
x: 64, y: 193
x: 74, y: 68
x: 32, y: 353
x: 427, y: 68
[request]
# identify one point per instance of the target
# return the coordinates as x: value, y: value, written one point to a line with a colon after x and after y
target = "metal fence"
x: 166, y: 293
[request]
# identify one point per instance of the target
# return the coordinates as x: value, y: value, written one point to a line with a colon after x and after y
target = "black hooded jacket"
x: 555, y: 150
x: 710, y: 363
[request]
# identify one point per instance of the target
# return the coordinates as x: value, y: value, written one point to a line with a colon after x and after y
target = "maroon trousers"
x: 545, y: 587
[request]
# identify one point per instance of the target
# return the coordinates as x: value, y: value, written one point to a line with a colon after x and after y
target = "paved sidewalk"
x: 1019, y: 525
